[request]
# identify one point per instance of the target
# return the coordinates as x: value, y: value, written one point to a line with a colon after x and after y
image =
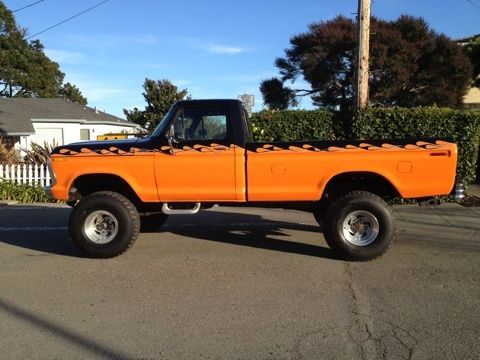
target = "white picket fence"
x: 36, y: 175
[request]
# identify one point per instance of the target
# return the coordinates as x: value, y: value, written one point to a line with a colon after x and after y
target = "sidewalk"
x: 447, y: 222
x: 474, y: 189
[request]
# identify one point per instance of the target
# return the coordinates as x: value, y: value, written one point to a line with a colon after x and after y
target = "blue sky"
x: 214, y: 48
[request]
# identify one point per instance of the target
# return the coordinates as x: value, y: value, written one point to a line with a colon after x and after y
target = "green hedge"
x: 292, y: 125
x: 21, y: 192
x: 461, y: 127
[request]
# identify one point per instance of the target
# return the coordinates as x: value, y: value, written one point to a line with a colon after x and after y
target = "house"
x: 472, y: 97
x: 59, y: 121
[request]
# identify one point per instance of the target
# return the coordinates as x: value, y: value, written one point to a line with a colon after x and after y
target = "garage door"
x: 49, y: 135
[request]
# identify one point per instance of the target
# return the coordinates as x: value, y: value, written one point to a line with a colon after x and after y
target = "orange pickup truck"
x: 203, y: 153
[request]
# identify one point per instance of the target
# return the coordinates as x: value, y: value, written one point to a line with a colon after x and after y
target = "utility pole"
x: 363, y: 47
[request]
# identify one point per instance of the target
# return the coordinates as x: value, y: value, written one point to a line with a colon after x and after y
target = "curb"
x: 37, y: 204
x: 8, y: 202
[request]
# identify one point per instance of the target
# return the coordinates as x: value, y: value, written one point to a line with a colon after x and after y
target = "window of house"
x: 84, y: 134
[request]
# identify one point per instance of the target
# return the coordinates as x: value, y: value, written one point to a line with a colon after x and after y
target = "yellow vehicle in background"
x: 118, y: 136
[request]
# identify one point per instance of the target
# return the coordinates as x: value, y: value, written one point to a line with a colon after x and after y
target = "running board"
x: 166, y: 209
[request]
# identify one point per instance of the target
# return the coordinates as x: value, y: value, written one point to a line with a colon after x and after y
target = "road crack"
x: 363, y: 325
x: 376, y: 333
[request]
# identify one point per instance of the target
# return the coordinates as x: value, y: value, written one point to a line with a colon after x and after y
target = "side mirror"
x: 171, y: 131
x: 171, y: 138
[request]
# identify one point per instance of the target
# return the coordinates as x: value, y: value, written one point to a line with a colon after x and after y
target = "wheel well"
x: 87, y: 184
x: 374, y: 183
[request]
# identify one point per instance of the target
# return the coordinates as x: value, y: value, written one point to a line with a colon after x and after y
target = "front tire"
x: 104, y: 224
x: 359, y: 226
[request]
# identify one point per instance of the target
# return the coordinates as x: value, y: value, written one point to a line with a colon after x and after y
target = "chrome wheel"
x: 360, y: 228
x: 101, y: 227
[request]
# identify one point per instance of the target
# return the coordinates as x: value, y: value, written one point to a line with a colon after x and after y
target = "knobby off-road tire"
x: 152, y: 222
x: 359, y: 226
x: 104, y: 224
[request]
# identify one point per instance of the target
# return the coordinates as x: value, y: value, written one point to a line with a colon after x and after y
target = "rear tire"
x: 359, y: 226
x: 104, y: 224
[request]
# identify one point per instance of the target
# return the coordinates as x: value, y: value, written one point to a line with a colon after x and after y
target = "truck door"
x: 202, y: 164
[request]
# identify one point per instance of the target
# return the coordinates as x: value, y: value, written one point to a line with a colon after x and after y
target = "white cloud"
x: 65, y: 56
x: 212, y: 47
x: 180, y: 82
x: 223, y: 49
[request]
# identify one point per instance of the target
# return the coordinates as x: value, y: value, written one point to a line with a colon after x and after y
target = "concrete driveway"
x: 234, y: 283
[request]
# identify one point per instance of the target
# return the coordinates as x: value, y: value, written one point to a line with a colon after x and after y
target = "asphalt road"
x: 240, y: 284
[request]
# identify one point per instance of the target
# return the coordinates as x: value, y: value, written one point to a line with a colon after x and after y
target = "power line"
x: 27, y: 6
x: 474, y: 4
x: 70, y: 18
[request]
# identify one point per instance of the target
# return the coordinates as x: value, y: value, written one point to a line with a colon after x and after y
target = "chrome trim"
x: 101, y: 227
x: 50, y: 171
x: 53, y: 179
x: 171, y: 139
x: 166, y: 209
x: 360, y: 228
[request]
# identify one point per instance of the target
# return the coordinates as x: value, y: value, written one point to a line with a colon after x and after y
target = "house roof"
x: 17, y: 114
x: 466, y: 39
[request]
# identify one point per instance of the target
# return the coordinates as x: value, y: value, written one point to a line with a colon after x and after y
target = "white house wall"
x: 70, y: 131
x: 102, y: 129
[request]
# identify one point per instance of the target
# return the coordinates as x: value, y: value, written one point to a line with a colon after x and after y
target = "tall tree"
x: 410, y: 65
x: 43, y: 77
x: 13, y: 53
x: 276, y: 95
x: 25, y: 70
x: 71, y: 92
x: 159, y: 96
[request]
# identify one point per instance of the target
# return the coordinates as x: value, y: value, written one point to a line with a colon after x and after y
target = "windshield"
x: 162, y: 124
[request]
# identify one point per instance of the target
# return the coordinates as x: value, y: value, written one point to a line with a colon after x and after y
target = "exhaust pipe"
x: 459, y: 192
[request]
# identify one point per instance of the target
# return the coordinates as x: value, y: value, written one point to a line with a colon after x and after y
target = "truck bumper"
x: 56, y: 192
x: 48, y: 191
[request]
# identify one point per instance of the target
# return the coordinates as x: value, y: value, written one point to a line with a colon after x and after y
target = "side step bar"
x: 166, y: 209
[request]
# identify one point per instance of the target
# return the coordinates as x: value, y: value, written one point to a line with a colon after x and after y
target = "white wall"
x: 101, y: 129
x: 23, y: 143
x: 68, y: 132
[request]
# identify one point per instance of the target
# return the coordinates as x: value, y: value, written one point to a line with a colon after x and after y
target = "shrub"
x: 21, y: 192
x: 7, y: 155
x: 38, y: 154
x: 461, y: 127
x: 291, y: 125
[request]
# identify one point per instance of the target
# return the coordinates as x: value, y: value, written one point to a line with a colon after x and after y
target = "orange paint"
x: 217, y: 173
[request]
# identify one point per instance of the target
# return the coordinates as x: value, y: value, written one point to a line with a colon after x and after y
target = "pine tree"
x: 410, y: 65
x: 159, y: 96
x: 25, y: 70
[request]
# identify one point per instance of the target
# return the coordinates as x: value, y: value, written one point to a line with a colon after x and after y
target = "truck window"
x: 201, y: 124
x: 250, y: 137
